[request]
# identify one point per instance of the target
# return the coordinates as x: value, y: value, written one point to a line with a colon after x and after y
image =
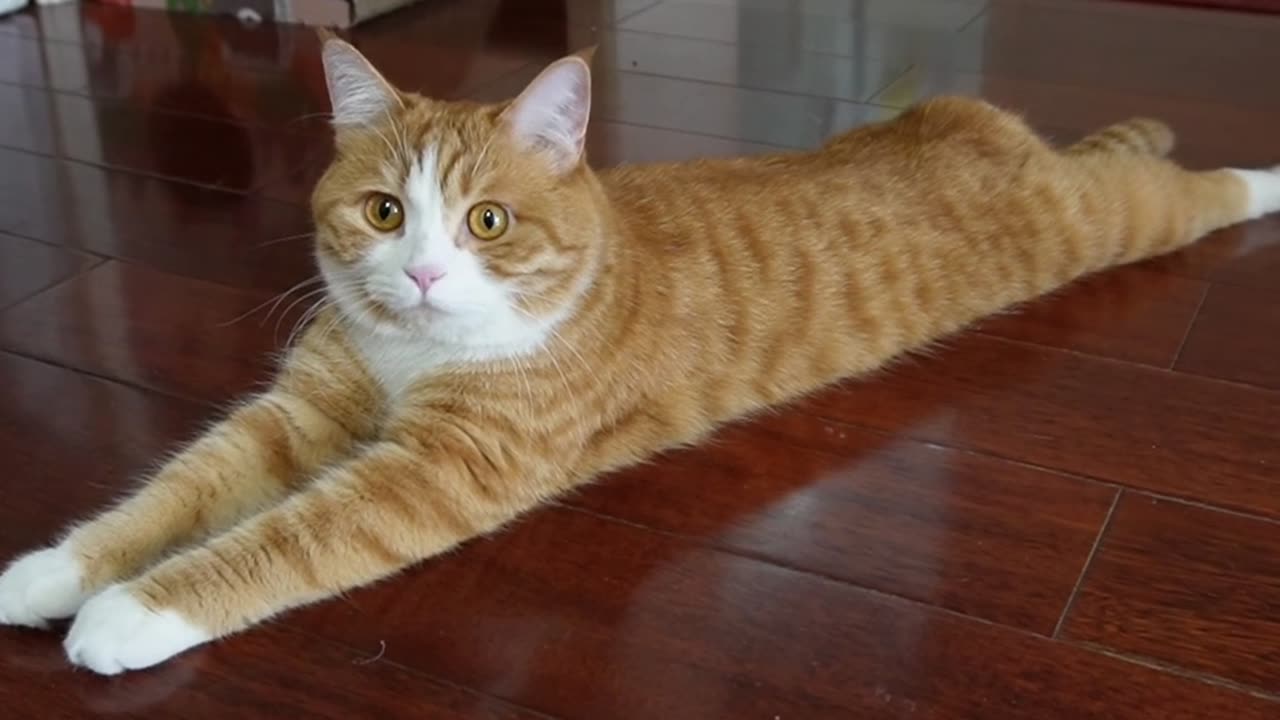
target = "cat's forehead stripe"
x: 424, y: 194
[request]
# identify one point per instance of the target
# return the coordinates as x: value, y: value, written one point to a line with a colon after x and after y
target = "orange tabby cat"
x: 505, y: 324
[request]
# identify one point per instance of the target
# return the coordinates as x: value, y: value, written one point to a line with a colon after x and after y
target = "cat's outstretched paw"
x: 115, y: 632
x: 1263, y: 191
x: 41, y: 586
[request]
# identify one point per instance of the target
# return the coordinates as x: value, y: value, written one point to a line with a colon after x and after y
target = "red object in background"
x: 1260, y: 6
x: 115, y: 18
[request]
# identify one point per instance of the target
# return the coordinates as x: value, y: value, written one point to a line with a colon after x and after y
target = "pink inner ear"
x: 552, y: 112
x: 357, y: 92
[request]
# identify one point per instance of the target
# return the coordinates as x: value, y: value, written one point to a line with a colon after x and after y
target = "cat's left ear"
x: 551, y: 114
x: 358, y: 92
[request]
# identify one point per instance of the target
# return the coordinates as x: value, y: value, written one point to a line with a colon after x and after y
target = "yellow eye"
x: 487, y: 220
x: 383, y: 212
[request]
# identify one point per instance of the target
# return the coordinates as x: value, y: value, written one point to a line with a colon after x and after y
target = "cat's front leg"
x: 322, y: 405
x: 381, y: 512
x: 247, y: 462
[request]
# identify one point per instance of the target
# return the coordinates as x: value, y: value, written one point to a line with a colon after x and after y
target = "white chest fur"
x: 398, y: 362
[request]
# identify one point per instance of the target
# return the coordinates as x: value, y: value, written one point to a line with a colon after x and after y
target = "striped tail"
x: 1142, y: 136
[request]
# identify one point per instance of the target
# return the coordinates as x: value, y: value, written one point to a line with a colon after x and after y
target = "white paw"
x: 115, y: 632
x: 1263, y: 190
x: 41, y: 586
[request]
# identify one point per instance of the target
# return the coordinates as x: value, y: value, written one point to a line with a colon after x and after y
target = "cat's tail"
x: 1142, y: 136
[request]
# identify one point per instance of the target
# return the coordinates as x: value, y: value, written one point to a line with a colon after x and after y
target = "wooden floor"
x: 1068, y: 513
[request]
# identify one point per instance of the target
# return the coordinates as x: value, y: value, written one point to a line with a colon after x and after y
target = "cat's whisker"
x: 405, y: 156
x: 286, y: 238
x: 554, y: 333
x: 334, y: 322
x: 338, y: 284
x: 480, y: 158
x: 299, y: 286
x: 380, y: 134
x: 312, y: 312
x: 295, y: 303
x: 275, y: 298
x: 550, y: 355
x: 299, y: 324
x: 569, y: 346
x: 309, y: 116
x: 522, y: 373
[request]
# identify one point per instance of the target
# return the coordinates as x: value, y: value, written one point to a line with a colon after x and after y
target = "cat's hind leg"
x: 1262, y: 189
x: 1139, y: 204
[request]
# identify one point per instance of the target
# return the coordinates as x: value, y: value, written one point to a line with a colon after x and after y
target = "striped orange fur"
x: 621, y: 313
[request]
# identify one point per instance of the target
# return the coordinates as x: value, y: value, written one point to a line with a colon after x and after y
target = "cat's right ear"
x: 358, y: 92
x: 550, y: 116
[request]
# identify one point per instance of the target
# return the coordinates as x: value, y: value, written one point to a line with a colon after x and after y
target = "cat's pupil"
x: 490, y: 219
x: 384, y: 209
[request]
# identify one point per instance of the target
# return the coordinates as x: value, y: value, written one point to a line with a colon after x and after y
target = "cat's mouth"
x: 416, y: 317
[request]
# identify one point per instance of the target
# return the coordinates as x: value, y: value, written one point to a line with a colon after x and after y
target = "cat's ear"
x: 359, y: 94
x: 550, y: 116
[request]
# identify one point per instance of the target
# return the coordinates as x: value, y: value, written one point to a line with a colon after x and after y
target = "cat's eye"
x: 383, y: 212
x: 487, y: 220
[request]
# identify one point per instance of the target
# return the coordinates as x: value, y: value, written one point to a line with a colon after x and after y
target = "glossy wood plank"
x: 152, y: 329
x: 924, y: 522
x: 72, y: 443
x: 27, y: 267
x: 98, y: 25
x: 1208, y: 135
x: 185, y: 63
x: 244, y: 678
x: 28, y: 62
x: 767, y: 67
x: 928, y: 14
x: 887, y: 549
x: 439, y: 71
x: 25, y: 119
x: 1131, y: 48
x: 191, y: 231
x: 1236, y: 337
x: 1162, y: 586
x: 722, y: 111
x: 503, y: 25
x: 854, y: 34
x: 1247, y: 255
x: 1132, y: 314
x: 583, y: 618
x: 1137, y: 426
x: 230, y: 155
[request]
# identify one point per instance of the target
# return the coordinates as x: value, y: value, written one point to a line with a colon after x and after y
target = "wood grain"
x: 928, y: 523
x: 27, y: 267
x: 1235, y: 337
x: 199, y: 233
x: 1187, y: 586
x: 904, y: 546
x: 1128, y: 424
x: 147, y: 328
x: 583, y: 618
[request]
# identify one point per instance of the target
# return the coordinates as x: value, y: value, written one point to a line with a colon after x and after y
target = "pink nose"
x: 424, y: 276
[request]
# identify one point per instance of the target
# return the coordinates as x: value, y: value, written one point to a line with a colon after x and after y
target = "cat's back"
x: 943, y: 146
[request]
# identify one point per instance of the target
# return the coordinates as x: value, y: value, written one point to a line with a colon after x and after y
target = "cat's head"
x: 475, y: 225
